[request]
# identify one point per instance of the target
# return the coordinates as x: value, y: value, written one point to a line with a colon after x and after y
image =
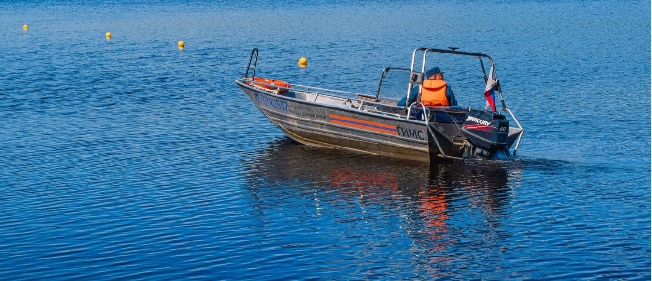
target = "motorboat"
x: 381, y: 125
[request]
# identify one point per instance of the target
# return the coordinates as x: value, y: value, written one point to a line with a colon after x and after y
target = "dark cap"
x: 433, y: 71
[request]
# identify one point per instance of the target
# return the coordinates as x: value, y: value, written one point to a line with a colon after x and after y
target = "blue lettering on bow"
x: 266, y: 101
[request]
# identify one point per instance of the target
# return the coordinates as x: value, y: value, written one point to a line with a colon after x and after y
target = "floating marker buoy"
x: 181, y: 44
x: 25, y: 27
x: 108, y: 35
x: 303, y: 62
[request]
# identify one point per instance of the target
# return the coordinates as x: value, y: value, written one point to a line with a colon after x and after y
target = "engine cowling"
x: 487, y: 131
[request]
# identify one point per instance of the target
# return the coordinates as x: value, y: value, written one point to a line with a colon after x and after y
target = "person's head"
x: 434, y: 73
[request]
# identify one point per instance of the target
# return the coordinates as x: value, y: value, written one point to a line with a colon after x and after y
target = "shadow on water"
x: 285, y: 160
x: 435, y: 204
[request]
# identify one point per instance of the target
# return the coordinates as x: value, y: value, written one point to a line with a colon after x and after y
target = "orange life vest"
x: 433, y: 93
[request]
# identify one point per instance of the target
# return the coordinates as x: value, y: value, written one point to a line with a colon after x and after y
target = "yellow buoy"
x: 303, y: 62
x: 25, y: 27
x: 108, y: 35
x: 181, y: 44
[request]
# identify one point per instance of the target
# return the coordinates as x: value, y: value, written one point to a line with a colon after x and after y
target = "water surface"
x: 131, y: 159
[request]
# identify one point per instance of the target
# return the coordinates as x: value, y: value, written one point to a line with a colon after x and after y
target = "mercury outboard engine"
x: 487, y: 131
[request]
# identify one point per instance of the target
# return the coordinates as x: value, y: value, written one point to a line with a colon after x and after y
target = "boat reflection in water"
x: 438, y: 205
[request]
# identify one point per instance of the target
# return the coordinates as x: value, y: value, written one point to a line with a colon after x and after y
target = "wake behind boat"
x: 425, y: 128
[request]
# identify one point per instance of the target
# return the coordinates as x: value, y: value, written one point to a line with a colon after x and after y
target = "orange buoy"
x: 272, y: 84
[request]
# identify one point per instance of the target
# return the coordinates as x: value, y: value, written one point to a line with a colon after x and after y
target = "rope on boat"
x: 434, y: 137
x: 432, y: 134
x: 439, y: 147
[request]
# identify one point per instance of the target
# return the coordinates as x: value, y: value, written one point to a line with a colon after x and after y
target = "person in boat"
x: 434, y: 90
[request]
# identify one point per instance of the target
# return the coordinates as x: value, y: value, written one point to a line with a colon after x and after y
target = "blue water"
x: 129, y: 158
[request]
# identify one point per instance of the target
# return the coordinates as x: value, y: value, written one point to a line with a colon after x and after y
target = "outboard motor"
x: 487, y: 131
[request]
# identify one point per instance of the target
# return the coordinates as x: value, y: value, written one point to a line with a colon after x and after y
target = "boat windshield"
x: 392, y: 83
